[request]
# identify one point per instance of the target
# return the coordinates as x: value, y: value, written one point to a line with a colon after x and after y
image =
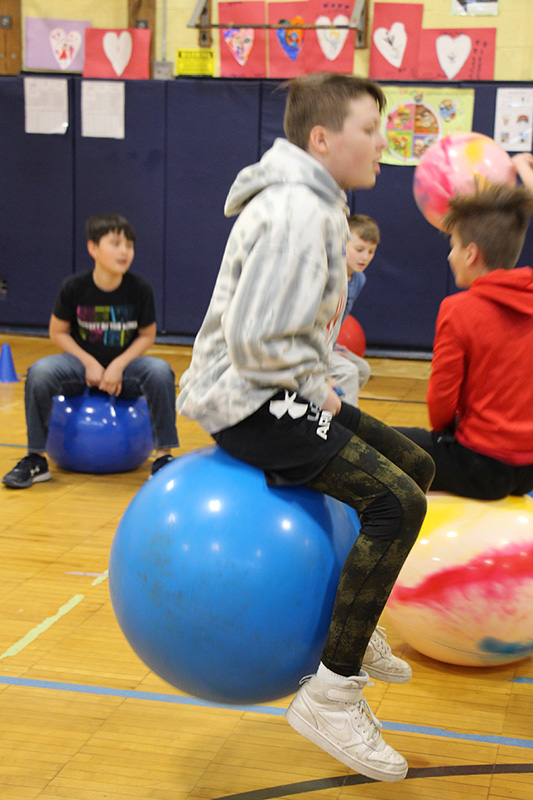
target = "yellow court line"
x: 100, y: 578
x: 43, y: 626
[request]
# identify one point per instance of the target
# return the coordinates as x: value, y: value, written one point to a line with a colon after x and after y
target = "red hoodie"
x: 482, y: 372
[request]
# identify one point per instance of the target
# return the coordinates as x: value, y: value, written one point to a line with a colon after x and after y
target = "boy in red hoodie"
x: 480, y: 394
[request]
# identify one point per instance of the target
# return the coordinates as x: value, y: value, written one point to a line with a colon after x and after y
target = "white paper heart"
x: 452, y: 53
x: 391, y: 43
x: 331, y: 40
x: 118, y: 48
x: 65, y: 46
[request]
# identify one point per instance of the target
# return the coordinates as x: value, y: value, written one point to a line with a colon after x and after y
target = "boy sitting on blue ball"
x: 258, y: 382
x: 103, y: 321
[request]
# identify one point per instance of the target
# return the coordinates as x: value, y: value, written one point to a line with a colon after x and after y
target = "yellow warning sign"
x: 195, y: 62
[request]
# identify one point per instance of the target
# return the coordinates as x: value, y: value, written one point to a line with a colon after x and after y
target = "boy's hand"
x: 111, y: 381
x: 93, y: 373
x: 340, y: 348
x: 333, y: 401
x: 522, y: 159
x: 523, y: 164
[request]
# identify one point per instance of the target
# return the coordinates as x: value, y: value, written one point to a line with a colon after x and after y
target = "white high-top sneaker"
x: 380, y: 662
x: 337, y: 718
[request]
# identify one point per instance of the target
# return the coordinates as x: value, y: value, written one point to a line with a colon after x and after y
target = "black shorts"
x: 289, y: 438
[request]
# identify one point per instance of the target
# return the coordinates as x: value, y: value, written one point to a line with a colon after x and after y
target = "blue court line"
x: 8, y: 444
x: 272, y: 710
x: 521, y: 680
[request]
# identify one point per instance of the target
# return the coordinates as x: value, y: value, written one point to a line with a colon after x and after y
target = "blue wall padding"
x: 36, y: 213
x: 127, y: 176
x: 213, y: 132
x: 186, y: 140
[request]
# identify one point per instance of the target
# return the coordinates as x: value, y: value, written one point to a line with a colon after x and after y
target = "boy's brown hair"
x: 321, y: 98
x: 495, y: 218
x: 365, y: 227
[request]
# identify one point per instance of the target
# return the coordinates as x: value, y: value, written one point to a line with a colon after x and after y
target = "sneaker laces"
x: 368, y: 723
x: 379, y: 643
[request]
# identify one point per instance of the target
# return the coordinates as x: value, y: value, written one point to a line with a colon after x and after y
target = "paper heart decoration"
x: 331, y: 40
x: 291, y: 38
x: 453, y: 53
x: 65, y: 46
x: 391, y: 43
x: 118, y: 48
x: 240, y: 42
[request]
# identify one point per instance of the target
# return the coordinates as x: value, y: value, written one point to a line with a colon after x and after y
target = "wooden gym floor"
x: 82, y: 718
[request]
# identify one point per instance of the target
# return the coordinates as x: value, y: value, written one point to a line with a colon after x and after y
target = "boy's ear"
x: 92, y: 248
x: 318, y: 140
x: 472, y: 253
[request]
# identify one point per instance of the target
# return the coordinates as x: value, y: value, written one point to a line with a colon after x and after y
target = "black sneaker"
x: 33, y: 468
x: 161, y: 462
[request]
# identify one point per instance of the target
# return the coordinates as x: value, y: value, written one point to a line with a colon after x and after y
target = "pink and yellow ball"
x: 454, y: 165
x: 465, y: 593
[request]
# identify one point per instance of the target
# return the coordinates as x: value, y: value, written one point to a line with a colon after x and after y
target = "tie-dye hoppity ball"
x: 465, y: 593
x: 455, y: 165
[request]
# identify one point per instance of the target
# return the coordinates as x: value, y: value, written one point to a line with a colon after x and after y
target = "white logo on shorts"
x: 278, y: 408
x: 288, y: 406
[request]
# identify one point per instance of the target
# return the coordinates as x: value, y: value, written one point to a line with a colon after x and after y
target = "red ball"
x: 352, y: 336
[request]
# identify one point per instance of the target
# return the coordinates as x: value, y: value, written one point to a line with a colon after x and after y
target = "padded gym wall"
x: 126, y: 176
x: 36, y: 213
x: 185, y: 142
x: 213, y: 131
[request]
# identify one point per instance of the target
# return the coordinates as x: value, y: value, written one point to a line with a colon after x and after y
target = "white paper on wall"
x: 513, y: 118
x: 102, y: 109
x: 45, y: 105
x: 475, y: 8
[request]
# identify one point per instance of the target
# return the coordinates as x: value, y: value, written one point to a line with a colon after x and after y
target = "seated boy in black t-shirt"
x: 103, y: 321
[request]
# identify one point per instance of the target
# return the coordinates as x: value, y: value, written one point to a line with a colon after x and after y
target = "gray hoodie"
x: 279, y: 297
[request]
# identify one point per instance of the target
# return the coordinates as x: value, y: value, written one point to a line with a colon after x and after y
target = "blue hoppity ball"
x: 98, y: 433
x: 224, y: 586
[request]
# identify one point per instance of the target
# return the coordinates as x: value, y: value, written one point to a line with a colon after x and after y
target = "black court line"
x: 358, y: 780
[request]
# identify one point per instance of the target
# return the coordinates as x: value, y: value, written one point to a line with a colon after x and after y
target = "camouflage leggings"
x: 384, y: 477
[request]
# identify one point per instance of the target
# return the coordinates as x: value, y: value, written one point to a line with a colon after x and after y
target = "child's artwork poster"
x: 454, y: 54
x: 512, y: 123
x: 286, y: 44
x: 332, y: 47
x: 485, y: 8
x: 123, y: 53
x: 55, y: 45
x: 242, y: 50
x: 419, y: 115
x: 395, y: 41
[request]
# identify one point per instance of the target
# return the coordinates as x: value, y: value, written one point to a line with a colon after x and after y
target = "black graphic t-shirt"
x: 105, y: 323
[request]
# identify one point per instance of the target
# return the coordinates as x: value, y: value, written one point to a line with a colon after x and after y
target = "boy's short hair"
x: 321, y: 98
x: 101, y: 224
x: 365, y: 227
x: 495, y: 218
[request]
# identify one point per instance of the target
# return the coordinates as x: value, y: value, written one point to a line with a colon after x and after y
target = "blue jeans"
x: 65, y: 374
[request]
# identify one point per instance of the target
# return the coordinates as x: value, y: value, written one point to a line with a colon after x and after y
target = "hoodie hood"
x: 508, y: 288
x: 284, y: 163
